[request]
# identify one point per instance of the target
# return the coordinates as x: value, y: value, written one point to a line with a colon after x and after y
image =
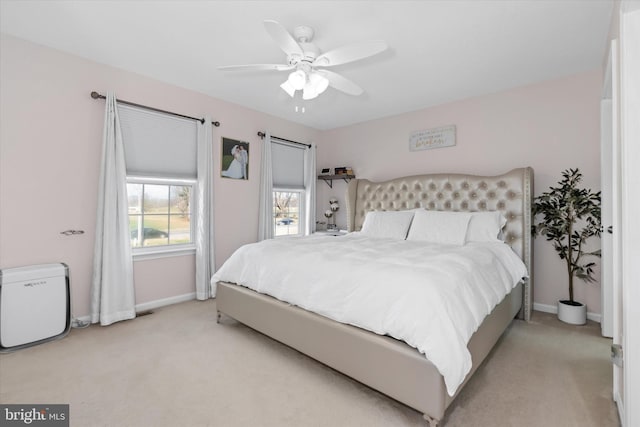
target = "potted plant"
x: 569, y: 217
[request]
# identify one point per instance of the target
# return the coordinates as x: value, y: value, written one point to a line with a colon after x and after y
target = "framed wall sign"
x: 428, y: 139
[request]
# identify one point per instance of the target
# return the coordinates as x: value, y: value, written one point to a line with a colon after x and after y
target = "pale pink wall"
x: 549, y: 126
x: 164, y: 278
x: 50, y: 142
x: 50, y: 136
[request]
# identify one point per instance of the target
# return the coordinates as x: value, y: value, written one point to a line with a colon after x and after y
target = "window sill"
x: 143, y: 254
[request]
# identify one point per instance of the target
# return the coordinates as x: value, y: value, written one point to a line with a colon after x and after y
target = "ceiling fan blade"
x: 257, y: 67
x: 340, y: 83
x: 350, y: 53
x: 282, y: 37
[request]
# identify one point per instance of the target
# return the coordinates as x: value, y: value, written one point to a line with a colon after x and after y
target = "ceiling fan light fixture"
x: 297, y: 79
x: 309, y: 93
x: 288, y: 87
x: 319, y: 82
x: 303, y: 58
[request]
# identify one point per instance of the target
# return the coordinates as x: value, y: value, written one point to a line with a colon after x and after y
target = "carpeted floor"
x: 177, y: 367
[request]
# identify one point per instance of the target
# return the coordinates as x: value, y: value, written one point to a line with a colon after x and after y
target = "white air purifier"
x: 35, y: 305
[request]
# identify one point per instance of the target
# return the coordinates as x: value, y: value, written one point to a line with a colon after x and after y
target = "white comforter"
x: 433, y: 297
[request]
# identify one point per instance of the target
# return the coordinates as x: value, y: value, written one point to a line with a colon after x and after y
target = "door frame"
x: 630, y: 206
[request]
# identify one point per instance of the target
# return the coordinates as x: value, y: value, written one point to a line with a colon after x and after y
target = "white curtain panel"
x: 205, y: 259
x: 265, y: 214
x: 310, y: 179
x: 112, y: 292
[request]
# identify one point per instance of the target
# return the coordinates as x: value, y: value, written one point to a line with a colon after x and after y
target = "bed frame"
x: 383, y: 363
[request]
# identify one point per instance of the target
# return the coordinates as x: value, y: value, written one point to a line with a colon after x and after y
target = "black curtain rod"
x: 96, y: 95
x: 262, y: 135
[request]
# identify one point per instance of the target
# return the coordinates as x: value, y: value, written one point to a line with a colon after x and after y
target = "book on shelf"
x: 343, y: 171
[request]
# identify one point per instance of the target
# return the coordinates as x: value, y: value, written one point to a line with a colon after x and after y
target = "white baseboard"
x: 165, y: 301
x: 546, y: 308
x: 151, y: 304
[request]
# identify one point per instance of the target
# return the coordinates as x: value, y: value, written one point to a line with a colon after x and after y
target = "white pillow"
x: 440, y: 227
x: 387, y: 224
x: 485, y: 227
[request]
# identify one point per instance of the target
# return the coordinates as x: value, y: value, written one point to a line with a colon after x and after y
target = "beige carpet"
x: 177, y: 367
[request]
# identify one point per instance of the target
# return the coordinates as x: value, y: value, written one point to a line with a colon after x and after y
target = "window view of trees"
x: 159, y: 214
x: 286, y: 206
x: 184, y: 196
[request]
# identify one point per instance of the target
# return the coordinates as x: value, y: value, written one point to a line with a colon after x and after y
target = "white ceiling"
x: 440, y: 51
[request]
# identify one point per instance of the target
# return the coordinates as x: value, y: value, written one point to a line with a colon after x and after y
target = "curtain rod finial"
x: 95, y: 95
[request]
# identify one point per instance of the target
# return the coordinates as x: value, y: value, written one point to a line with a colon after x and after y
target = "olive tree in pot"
x: 569, y: 217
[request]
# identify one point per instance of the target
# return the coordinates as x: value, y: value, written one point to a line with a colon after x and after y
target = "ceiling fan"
x: 308, y: 63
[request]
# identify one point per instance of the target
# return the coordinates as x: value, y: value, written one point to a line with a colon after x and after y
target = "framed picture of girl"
x: 235, y: 159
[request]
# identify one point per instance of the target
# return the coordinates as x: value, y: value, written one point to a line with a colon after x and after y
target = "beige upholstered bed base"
x: 380, y: 362
x: 383, y: 363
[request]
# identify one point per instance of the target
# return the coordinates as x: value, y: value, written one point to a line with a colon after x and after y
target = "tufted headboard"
x: 510, y: 193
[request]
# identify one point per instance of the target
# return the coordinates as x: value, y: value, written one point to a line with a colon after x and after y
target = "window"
x: 287, y: 212
x: 160, y: 155
x: 288, y: 188
x: 160, y: 213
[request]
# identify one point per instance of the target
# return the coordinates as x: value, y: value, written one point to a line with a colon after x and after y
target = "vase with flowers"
x: 330, y: 213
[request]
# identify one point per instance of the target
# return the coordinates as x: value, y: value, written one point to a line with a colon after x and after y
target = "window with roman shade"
x: 160, y: 157
x: 288, y: 162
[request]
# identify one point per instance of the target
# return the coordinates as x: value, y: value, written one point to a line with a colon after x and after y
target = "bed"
x: 390, y: 365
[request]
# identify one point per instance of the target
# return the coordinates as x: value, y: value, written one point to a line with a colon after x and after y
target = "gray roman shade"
x: 288, y: 165
x: 158, y: 145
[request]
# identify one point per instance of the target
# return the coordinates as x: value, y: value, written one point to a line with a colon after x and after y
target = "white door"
x: 611, y: 278
x: 608, y: 170
x: 610, y: 282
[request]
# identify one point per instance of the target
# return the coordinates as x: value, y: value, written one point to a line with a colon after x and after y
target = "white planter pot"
x: 574, y: 314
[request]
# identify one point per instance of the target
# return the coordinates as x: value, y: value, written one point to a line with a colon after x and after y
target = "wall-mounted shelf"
x: 329, y: 178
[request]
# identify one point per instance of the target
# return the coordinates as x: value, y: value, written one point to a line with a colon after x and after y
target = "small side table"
x: 331, y: 233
